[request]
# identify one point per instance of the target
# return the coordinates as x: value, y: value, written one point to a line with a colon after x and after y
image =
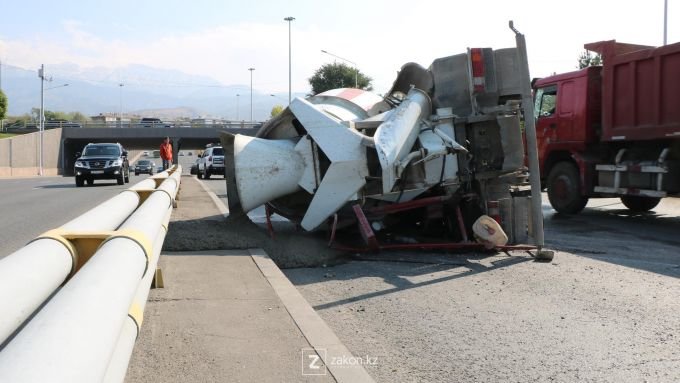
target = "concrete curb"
x: 324, y: 341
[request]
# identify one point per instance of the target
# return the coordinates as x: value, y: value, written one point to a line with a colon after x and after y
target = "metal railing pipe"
x: 131, y: 328
x: 73, y: 337
x: 27, y: 278
x: 106, y: 216
x: 31, y: 274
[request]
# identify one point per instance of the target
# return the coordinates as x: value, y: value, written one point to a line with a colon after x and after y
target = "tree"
x: 276, y: 110
x: 79, y: 117
x: 333, y: 76
x: 586, y: 59
x: 3, y: 105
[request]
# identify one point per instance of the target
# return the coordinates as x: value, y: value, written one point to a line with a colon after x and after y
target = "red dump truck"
x: 611, y: 130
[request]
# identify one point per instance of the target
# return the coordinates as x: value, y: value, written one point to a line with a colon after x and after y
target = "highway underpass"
x: 74, y: 139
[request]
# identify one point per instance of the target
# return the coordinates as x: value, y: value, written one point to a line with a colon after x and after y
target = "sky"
x: 222, y: 39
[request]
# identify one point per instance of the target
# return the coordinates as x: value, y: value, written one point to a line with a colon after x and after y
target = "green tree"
x: 276, y: 110
x: 79, y: 117
x: 586, y: 59
x: 333, y: 76
x: 3, y: 105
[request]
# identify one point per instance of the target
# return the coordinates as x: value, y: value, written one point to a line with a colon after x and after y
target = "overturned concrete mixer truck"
x: 439, y: 162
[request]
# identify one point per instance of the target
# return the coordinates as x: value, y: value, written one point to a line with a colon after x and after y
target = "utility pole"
x: 251, y: 94
x: 289, y: 20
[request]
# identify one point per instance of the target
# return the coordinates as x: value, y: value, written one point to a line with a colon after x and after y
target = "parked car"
x: 144, y: 166
x: 194, y: 168
x: 102, y: 161
x: 211, y: 162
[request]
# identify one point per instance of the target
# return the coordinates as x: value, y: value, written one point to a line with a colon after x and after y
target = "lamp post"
x: 41, y: 74
x: 356, y: 69
x: 665, y: 22
x: 120, y: 103
x: 251, y: 94
x: 237, y: 98
x: 289, y: 19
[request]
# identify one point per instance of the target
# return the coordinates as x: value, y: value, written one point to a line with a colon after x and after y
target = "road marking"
x: 224, y: 210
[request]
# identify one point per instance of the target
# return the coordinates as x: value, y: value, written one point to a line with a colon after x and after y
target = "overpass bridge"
x: 74, y: 139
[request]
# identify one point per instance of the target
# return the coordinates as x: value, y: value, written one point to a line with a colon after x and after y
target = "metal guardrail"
x: 72, y: 300
x: 28, y: 127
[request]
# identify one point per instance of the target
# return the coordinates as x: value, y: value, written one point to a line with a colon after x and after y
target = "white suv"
x: 211, y: 162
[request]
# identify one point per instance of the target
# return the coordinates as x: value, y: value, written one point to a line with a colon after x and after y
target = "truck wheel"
x: 79, y: 182
x: 640, y: 204
x: 564, y: 189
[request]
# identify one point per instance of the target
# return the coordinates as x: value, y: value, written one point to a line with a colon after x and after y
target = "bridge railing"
x: 28, y: 127
x: 72, y: 300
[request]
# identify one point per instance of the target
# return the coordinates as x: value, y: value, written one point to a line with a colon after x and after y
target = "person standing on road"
x: 166, y: 153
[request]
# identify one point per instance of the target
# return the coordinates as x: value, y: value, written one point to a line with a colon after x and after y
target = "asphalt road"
x: 604, y: 310
x: 31, y: 206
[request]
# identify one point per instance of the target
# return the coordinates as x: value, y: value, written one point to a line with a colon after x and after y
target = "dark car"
x: 102, y: 162
x: 194, y: 168
x: 144, y: 166
x: 150, y: 122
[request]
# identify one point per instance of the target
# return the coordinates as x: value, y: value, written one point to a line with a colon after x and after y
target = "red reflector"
x: 477, y: 63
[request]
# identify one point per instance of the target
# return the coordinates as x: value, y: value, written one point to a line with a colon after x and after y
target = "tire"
x: 136, y: 173
x: 90, y: 182
x: 564, y: 189
x: 79, y: 182
x: 639, y: 204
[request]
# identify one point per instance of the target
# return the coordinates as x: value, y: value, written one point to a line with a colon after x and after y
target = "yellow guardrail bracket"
x: 83, y: 244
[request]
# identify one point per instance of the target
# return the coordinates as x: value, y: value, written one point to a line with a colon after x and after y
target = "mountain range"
x: 145, y: 91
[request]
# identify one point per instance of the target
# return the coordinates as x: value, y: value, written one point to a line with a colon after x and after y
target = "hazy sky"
x: 222, y: 39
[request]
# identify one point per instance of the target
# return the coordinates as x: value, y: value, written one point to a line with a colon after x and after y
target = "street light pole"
x: 251, y: 94
x: 289, y: 19
x: 237, y: 98
x: 41, y: 74
x: 120, y: 95
x: 665, y: 21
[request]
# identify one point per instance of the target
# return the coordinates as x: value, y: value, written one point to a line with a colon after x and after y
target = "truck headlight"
x: 80, y: 164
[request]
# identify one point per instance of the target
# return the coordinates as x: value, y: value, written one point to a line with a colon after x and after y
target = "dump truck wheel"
x: 640, y: 204
x: 564, y: 189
